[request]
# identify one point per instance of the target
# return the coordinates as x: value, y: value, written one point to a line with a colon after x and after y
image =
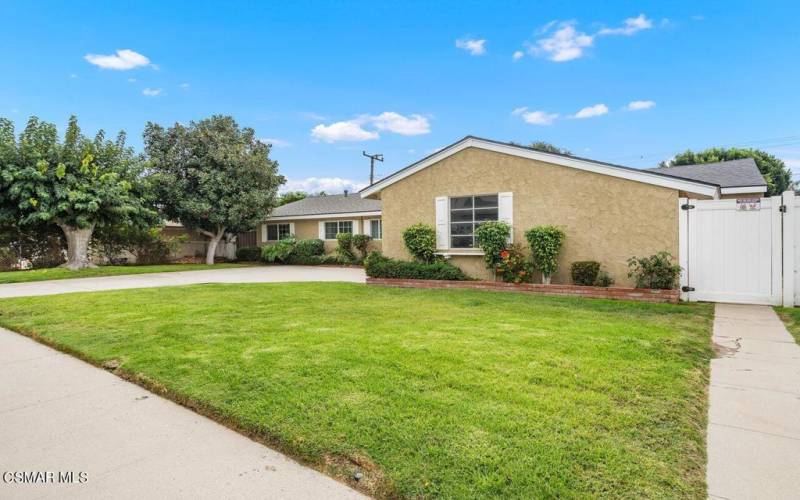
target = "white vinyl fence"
x: 741, y: 250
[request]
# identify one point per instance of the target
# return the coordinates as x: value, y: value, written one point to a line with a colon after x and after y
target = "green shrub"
x: 280, y: 251
x: 589, y: 273
x: 248, y: 254
x: 420, y: 240
x: 492, y: 237
x: 360, y: 242
x: 545, y: 243
x: 514, y: 267
x: 584, y: 272
x: 344, y: 250
x: 378, y: 266
x: 657, y: 271
x: 316, y: 260
x: 308, y: 248
x: 8, y: 259
x: 603, y: 279
x: 152, y: 247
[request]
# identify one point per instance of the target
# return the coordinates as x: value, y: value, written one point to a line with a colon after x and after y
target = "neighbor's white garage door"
x: 730, y: 254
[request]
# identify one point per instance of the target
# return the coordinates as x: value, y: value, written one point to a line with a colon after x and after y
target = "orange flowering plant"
x: 514, y: 266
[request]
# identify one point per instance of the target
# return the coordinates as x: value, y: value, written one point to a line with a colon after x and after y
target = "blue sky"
x: 625, y: 82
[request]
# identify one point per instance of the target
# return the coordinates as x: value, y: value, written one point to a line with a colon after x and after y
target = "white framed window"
x: 335, y: 227
x: 466, y: 214
x: 375, y: 229
x: 277, y: 232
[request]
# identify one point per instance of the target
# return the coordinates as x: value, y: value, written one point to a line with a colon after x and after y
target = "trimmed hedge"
x: 248, y: 254
x: 378, y: 266
x: 584, y: 272
x: 308, y: 248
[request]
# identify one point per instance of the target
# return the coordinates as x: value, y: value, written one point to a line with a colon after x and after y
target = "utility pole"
x: 372, y: 159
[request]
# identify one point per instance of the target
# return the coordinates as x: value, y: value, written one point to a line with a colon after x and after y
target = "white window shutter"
x: 263, y: 233
x: 321, y: 230
x: 356, y: 229
x: 442, y: 227
x: 505, y: 211
x: 291, y: 228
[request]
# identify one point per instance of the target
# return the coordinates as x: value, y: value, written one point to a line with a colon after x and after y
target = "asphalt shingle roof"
x: 726, y: 174
x: 330, y: 204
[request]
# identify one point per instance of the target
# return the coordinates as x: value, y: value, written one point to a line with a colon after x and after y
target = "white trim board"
x: 523, y: 152
x: 744, y: 189
x: 346, y: 215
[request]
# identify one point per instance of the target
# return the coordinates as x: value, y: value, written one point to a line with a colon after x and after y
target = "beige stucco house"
x: 324, y: 217
x: 608, y: 212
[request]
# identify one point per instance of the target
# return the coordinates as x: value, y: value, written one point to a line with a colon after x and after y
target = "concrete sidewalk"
x: 754, y: 414
x: 257, y: 274
x: 59, y: 414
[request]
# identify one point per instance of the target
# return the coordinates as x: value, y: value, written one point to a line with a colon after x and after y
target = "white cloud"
x: 131, y: 80
x: 73, y: 75
x: 184, y: 86
x: 565, y: 43
x: 277, y: 143
x: 359, y: 128
x: 518, y: 55
x: 630, y: 26
x: 535, y: 117
x: 698, y: 17
x: 343, y: 131
x: 152, y: 92
x: 123, y: 60
x: 473, y: 46
x: 399, y: 124
x: 330, y: 185
x: 590, y: 111
x: 640, y: 105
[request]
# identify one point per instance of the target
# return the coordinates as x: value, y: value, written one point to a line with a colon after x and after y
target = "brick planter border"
x: 619, y: 293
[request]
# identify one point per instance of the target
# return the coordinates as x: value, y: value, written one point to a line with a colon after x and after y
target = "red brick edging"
x: 622, y: 293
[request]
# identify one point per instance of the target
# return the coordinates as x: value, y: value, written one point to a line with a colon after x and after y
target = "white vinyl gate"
x: 745, y: 254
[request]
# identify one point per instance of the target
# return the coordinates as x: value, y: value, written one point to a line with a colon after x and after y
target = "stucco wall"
x: 606, y: 219
x: 306, y: 229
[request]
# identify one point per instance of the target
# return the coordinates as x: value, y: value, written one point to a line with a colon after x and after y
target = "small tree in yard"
x: 78, y: 184
x: 492, y: 237
x: 212, y: 176
x: 545, y: 243
x: 420, y: 240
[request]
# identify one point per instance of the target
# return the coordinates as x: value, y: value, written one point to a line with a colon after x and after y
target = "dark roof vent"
x: 345, y: 193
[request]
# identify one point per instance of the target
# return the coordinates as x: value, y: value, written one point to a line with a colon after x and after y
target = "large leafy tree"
x: 548, y: 148
x: 291, y: 196
x: 775, y: 172
x: 78, y: 184
x: 212, y: 176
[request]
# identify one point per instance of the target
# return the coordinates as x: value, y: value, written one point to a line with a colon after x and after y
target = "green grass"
x: 791, y: 318
x: 435, y: 393
x: 61, y: 273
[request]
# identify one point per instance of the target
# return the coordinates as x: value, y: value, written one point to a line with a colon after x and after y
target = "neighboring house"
x: 324, y: 217
x: 608, y: 212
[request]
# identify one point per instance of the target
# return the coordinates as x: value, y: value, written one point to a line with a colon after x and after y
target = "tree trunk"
x: 212, y: 244
x: 77, y: 246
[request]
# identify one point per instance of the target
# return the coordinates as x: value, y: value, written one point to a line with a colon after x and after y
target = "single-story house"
x: 608, y: 212
x: 324, y: 217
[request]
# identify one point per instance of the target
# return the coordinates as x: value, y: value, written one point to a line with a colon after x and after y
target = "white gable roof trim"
x: 633, y: 174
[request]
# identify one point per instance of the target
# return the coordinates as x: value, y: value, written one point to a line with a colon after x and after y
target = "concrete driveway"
x: 258, y: 274
x: 754, y: 413
x: 61, y: 415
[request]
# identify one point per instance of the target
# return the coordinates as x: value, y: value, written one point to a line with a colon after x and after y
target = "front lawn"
x: 62, y: 273
x: 791, y: 318
x: 430, y: 393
